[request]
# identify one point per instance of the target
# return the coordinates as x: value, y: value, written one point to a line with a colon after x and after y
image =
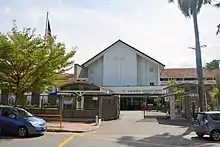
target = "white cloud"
x: 158, y: 29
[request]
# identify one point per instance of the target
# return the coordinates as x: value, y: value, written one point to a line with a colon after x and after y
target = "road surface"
x: 129, y: 131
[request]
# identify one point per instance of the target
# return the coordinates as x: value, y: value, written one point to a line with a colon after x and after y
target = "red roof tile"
x: 183, y: 73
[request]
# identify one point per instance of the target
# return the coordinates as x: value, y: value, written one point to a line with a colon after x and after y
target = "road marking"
x: 66, y: 140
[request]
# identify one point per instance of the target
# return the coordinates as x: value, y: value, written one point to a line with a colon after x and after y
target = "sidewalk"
x: 71, y: 127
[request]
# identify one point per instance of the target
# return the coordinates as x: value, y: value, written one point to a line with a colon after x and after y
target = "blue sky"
x: 154, y: 27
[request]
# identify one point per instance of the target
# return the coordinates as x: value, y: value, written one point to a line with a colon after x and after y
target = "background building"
x: 185, y: 75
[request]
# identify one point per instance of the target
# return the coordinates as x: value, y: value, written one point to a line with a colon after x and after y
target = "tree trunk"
x: 4, y: 97
x: 198, y: 59
x: 20, y: 98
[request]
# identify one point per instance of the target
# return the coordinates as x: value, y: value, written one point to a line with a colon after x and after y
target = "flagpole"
x: 46, y: 24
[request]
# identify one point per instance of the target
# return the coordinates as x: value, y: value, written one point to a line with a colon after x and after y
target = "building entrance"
x: 131, y: 103
x: 136, y: 103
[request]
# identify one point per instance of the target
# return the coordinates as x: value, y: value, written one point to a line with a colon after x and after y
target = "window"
x: 200, y: 117
x: 163, y: 79
x: 23, y: 113
x: 90, y: 103
x: 215, y: 116
x: 151, y: 83
x: 190, y: 79
x: 151, y: 69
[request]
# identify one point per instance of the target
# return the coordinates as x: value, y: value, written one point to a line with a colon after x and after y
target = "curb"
x: 70, y: 131
x: 62, y: 130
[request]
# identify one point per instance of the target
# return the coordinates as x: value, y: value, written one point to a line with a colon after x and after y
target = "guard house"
x: 126, y: 71
x: 84, y: 100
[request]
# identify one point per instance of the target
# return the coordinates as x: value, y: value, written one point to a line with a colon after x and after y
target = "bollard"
x: 100, y: 121
x: 96, y: 120
x: 61, y: 121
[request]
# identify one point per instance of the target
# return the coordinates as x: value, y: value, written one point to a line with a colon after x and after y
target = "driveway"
x: 131, y: 130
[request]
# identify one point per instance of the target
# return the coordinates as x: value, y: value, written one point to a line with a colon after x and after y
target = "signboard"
x: 95, y: 98
x: 137, y: 89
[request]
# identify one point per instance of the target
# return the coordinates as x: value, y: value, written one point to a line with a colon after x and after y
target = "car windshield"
x: 23, y: 113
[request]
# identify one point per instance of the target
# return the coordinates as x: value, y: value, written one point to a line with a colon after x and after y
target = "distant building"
x: 185, y: 75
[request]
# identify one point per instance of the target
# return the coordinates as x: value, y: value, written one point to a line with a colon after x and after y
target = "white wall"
x: 144, y: 74
x: 120, y: 66
x: 95, y: 72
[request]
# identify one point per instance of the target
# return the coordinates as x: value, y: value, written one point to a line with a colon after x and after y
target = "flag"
x: 48, y: 28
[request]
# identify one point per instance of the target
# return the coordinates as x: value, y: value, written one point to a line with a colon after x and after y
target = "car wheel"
x: 199, y: 135
x: 22, y: 131
x: 215, y: 135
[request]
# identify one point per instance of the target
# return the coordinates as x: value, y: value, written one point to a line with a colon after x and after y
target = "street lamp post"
x: 199, y: 69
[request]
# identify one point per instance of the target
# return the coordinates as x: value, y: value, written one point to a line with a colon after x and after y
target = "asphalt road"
x: 129, y: 131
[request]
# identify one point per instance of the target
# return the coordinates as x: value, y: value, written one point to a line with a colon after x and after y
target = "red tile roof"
x: 183, y: 73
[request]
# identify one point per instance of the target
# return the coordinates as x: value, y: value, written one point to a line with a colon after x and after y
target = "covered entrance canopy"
x: 80, y: 89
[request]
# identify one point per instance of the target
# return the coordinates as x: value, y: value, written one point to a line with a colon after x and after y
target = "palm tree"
x: 218, y: 26
x: 190, y: 8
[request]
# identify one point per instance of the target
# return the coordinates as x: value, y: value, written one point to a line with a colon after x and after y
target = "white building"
x: 125, y: 70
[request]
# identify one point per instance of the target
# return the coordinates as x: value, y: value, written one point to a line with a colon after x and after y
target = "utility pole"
x: 199, y: 69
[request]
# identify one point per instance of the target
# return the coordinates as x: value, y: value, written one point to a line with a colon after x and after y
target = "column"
x: 79, y: 103
x: 172, y: 107
x: 60, y: 104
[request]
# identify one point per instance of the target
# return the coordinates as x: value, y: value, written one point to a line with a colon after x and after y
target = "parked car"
x: 207, y: 123
x: 17, y: 121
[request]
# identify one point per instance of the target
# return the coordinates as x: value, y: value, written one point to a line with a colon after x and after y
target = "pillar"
x: 79, y: 103
x: 60, y: 104
x: 172, y: 107
x: 100, y: 107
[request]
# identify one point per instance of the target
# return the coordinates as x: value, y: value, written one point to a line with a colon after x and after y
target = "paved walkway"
x: 70, y: 127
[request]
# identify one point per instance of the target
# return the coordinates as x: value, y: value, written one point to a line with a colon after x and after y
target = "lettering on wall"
x: 137, y: 90
x: 141, y: 90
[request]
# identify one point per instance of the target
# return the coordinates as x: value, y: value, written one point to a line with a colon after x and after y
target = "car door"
x: 1, y: 120
x: 9, y: 125
x: 198, y: 124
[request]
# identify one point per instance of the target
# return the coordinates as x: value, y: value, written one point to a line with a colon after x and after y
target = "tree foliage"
x: 186, y: 6
x: 217, y: 4
x: 176, y: 90
x: 212, y: 65
x: 29, y: 62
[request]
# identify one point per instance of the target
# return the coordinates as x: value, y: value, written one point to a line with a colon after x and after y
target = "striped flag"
x: 48, y: 28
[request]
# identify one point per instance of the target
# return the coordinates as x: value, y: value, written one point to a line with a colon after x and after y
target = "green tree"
x: 214, y: 97
x: 213, y: 67
x: 214, y: 64
x: 29, y: 62
x: 177, y: 91
x: 190, y: 8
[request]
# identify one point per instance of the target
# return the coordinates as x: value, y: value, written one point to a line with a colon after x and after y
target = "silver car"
x: 207, y: 123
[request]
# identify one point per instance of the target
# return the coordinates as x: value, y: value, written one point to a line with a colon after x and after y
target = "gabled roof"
x: 136, y: 50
